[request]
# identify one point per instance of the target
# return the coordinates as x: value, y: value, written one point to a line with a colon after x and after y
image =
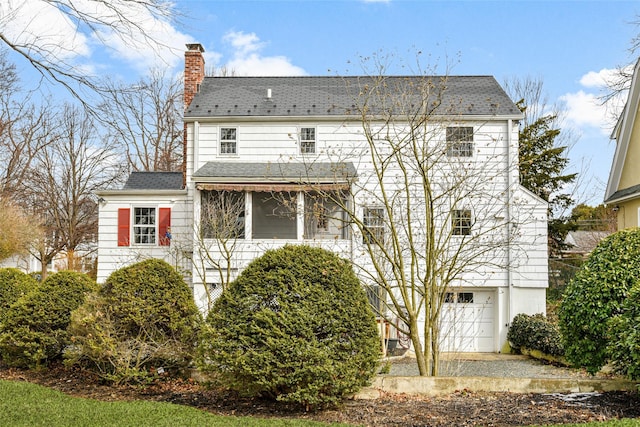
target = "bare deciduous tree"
x: 25, y: 130
x: 432, y: 203
x: 146, y: 121
x: 221, y: 225
x: 124, y: 19
x: 63, y: 181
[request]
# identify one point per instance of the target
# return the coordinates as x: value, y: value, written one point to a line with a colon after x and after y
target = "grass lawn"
x: 613, y: 423
x: 25, y: 404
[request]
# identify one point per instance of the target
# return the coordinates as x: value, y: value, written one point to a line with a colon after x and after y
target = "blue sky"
x: 570, y: 45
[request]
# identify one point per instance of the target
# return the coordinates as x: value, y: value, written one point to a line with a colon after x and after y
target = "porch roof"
x: 269, y: 173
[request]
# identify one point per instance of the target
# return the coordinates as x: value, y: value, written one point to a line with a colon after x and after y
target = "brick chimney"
x: 193, y: 71
x: 193, y: 77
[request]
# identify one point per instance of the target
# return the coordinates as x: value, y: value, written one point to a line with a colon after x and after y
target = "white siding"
x: 112, y: 257
x: 515, y: 276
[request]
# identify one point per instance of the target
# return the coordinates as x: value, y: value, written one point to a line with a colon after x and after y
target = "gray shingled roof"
x: 337, y: 96
x: 295, y: 172
x: 624, y: 193
x: 154, y: 181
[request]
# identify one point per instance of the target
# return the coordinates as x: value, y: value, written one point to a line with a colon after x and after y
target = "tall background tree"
x: 543, y: 156
x: 63, y: 181
x: 145, y: 121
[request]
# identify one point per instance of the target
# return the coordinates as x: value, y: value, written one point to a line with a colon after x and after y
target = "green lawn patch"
x: 26, y: 404
x: 627, y: 422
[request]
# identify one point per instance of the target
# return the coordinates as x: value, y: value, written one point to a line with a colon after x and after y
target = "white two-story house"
x: 422, y: 166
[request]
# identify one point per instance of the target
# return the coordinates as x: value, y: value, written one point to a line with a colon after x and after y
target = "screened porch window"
x: 273, y: 215
x: 222, y: 214
x: 324, y: 218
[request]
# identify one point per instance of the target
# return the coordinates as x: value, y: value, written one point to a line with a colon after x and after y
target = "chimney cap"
x: 195, y: 46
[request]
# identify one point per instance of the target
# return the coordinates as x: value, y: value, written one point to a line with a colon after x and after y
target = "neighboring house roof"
x: 583, y: 242
x: 622, y: 135
x: 336, y: 96
x: 154, y: 181
x: 624, y: 194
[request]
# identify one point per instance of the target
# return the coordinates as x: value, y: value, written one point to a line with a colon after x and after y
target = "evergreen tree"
x: 542, y: 167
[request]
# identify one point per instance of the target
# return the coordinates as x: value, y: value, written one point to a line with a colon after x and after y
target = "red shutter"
x: 124, y: 220
x: 164, y: 226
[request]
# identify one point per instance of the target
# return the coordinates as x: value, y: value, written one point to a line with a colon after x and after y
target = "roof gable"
x: 336, y: 96
x: 622, y: 134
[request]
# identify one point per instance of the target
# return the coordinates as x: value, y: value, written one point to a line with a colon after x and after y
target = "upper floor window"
x: 460, y: 141
x: 461, y: 222
x: 307, y: 141
x: 228, y: 141
x: 373, y: 225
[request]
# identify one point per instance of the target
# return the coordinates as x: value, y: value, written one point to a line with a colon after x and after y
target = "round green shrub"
x: 535, y: 333
x: 13, y: 285
x: 595, y: 295
x: 34, y: 329
x: 142, y: 319
x: 624, y: 336
x: 295, y: 326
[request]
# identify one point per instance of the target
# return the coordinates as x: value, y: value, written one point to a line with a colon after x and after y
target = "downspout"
x: 508, y: 219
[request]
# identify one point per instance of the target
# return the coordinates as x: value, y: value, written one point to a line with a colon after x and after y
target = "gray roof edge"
x: 624, y: 194
x: 256, y: 171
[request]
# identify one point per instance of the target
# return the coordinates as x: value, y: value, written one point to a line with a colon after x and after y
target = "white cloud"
x: 247, y: 59
x: 37, y: 23
x: 60, y: 38
x: 584, y: 109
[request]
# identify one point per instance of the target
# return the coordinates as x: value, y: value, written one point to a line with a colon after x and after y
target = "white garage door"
x: 467, y: 322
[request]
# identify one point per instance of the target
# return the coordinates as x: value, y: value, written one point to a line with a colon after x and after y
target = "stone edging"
x: 435, y: 386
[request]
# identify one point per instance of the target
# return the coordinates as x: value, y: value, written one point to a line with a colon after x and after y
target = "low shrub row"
x: 535, y: 333
x: 295, y: 326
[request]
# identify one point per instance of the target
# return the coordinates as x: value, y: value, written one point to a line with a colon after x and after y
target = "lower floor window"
x: 461, y: 222
x: 144, y: 226
x: 459, y: 297
x: 274, y: 216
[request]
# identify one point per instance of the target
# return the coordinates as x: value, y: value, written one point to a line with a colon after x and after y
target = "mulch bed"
x: 459, y: 409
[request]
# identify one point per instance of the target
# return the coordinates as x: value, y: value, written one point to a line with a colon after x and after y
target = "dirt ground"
x: 460, y: 409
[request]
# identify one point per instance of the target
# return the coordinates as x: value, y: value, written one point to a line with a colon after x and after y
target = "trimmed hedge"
x: 142, y: 319
x: 535, y: 333
x: 595, y: 295
x: 624, y: 336
x: 295, y: 326
x: 34, y: 328
x: 13, y: 285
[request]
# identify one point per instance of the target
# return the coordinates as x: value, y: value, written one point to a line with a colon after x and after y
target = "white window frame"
x: 136, y: 227
x: 373, y: 225
x: 308, y: 146
x: 461, y: 222
x: 460, y: 141
x: 223, y: 149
